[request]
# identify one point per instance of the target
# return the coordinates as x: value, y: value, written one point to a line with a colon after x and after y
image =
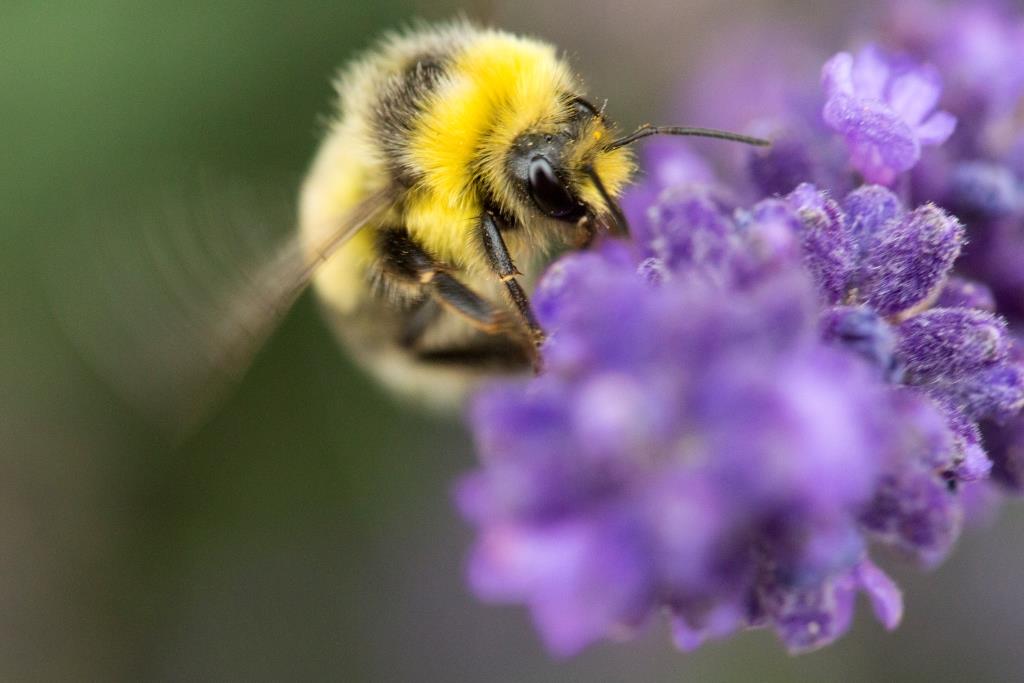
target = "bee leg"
x: 505, y: 269
x: 501, y: 354
x: 407, y: 261
x: 457, y: 297
x: 425, y: 313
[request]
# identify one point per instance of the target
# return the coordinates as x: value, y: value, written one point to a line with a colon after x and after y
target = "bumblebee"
x: 460, y: 158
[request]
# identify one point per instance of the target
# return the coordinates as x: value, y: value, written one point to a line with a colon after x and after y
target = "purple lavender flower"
x: 766, y: 393
x: 873, y: 251
x: 698, y: 444
x: 883, y: 106
x: 637, y: 473
x: 979, y: 48
x: 890, y: 265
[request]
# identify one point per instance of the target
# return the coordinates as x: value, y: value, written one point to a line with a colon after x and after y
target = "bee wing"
x: 172, y: 312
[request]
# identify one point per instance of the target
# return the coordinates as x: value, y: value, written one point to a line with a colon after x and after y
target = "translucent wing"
x: 172, y: 311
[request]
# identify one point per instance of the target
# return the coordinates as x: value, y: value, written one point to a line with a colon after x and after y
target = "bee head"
x: 577, y: 168
x: 563, y: 172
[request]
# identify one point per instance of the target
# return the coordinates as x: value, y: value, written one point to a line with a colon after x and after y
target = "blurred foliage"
x: 110, y: 102
x: 305, y: 533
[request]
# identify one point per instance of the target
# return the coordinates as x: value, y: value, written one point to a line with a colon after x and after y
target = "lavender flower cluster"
x: 781, y: 374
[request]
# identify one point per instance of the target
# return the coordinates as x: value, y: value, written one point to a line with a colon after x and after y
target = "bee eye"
x: 548, y: 192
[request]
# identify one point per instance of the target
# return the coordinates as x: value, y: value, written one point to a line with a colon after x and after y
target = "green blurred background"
x: 306, y: 532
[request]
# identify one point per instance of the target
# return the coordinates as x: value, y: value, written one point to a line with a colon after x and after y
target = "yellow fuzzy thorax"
x: 499, y: 86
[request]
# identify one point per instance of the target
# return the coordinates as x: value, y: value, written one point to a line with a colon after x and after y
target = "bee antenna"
x: 621, y: 224
x: 647, y: 130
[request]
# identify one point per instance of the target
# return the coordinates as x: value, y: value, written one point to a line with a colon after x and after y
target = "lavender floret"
x: 883, y: 106
x: 710, y: 441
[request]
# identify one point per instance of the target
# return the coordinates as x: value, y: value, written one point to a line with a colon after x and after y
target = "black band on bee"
x: 489, y: 353
x: 402, y: 100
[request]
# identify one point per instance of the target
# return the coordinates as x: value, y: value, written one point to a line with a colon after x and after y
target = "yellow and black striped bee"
x: 459, y: 159
x: 468, y: 155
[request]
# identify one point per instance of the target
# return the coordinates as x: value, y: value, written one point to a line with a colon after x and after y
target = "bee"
x: 472, y: 154
x: 460, y: 158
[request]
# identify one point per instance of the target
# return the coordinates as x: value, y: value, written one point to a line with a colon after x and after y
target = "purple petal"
x: 870, y: 72
x: 886, y: 597
x: 690, y: 228
x: 810, y: 618
x: 936, y: 129
x: 579, y: 578
x: 914, y: 94
x: 994, y: 393
x: 720, y: 623
x: 975, y: 465
x: 837, y: 75
x: 880, y: 104
x: 771, y: 233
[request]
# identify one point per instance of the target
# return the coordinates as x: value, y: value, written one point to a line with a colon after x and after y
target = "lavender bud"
x: 945, y: 344
x: 868, y: 210
x: 828, y: 252
x: 905, y: 264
